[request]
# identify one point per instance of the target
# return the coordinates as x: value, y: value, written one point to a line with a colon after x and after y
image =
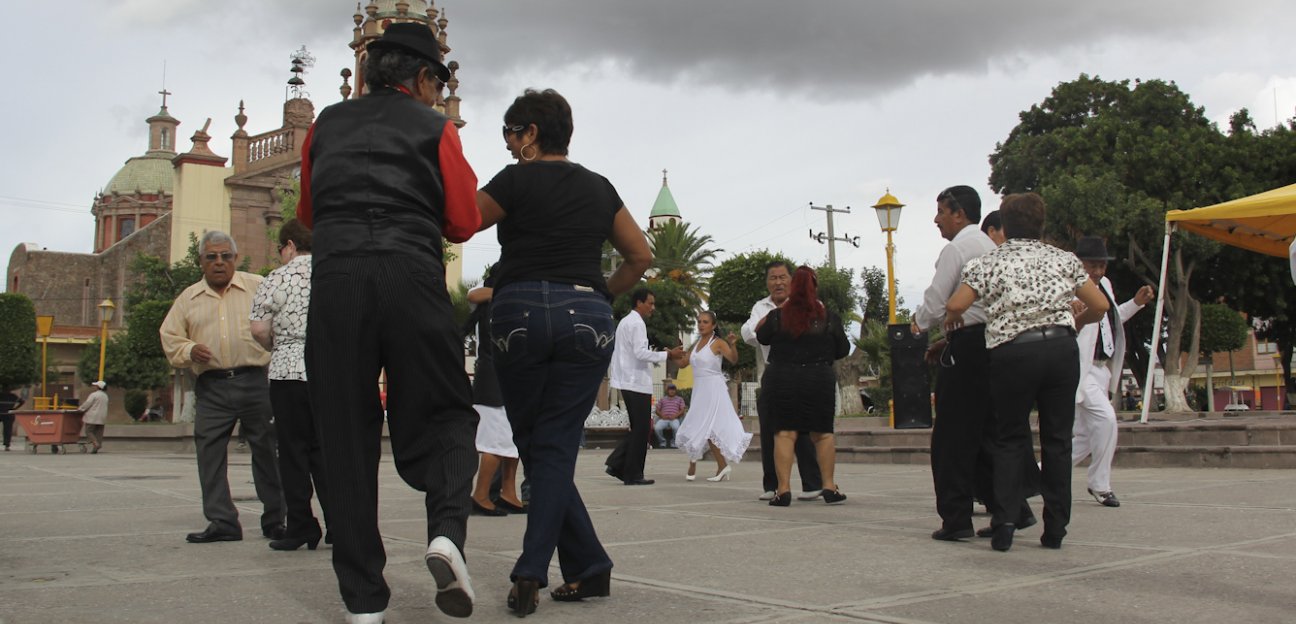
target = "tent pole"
x: 1156, y: 324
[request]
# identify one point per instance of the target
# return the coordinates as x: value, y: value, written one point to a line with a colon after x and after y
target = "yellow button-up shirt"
x: 201, y: 315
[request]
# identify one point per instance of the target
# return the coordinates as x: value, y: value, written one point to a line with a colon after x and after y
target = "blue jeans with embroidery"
x: 552, y: 346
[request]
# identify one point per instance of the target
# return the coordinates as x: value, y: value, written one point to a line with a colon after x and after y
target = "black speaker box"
x: 910, y: 382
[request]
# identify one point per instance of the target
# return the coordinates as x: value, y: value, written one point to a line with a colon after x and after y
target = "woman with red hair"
x: 804, y: 339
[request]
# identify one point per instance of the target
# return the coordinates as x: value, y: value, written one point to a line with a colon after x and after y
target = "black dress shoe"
x: 1024, y: 523
x: 275, y: 532
x: 210, y: 534
x: 948, y: 535
x: 639, y: 481
x: 479, y: 510
x: 614, y: 474
x: 510, y: 507
x: 1003, y: 537
x: 293, y: 543
x: 1049, y: 541
x: 781, y: 500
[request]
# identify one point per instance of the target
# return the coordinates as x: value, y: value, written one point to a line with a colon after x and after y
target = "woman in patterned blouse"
x: 1027, y: 287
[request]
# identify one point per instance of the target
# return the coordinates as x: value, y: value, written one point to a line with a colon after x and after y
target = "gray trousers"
x: 222, y: 402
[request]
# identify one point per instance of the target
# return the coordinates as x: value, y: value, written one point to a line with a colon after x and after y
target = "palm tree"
x: 681, y: 255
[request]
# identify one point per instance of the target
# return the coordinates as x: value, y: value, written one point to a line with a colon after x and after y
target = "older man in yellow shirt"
x: 208, y: 331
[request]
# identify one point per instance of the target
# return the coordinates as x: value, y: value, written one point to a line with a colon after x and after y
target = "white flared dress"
x: 711, y: 417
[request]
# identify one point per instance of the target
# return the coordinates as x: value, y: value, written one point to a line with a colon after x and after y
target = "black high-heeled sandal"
x: 524, y: 597
x: 597, y: 586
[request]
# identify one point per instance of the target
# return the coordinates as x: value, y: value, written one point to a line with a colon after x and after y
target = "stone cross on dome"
x: 164, y: 93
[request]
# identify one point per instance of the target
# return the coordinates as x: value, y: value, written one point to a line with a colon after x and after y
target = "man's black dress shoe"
x: 614, y: 474
x: 946, y: 535
x: 1049, y: 541
x: 210, y: 534
x: 639, y: 482
x: 1003, y: 537
x: 275, y: 532
x: 1025, y: 523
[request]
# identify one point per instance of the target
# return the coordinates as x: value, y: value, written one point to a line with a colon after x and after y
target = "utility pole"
x: 829, y: 237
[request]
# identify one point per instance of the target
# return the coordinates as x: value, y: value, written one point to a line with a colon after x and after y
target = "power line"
x: 41, y: 204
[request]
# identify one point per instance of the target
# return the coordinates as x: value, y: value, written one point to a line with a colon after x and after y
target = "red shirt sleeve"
x: 462, y: 219
x: 304, y: 211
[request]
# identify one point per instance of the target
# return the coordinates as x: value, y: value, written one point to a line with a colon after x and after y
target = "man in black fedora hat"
x: 383, y: 181
x: 1102, y: 357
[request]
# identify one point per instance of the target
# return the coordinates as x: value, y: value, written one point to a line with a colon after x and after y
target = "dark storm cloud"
x: 830, y: 47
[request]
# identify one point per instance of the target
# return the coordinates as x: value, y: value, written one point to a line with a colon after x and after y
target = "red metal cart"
x: 52, y: 427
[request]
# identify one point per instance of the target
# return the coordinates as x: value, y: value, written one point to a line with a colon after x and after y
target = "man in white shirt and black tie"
x: 1102, y: 357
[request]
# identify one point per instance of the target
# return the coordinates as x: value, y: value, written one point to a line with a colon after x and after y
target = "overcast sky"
x: 757, y: 108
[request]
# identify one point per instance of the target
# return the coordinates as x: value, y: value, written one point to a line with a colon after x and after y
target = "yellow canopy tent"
x: 1264, y: 223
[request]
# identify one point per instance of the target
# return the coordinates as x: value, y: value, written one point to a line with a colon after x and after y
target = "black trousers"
x: 1044, y: 375
x: 807, y: 460
x: 369, y: 315
x: 301, y: 461
x: 962, y: 440
x: 628, y: 458
x: 8, y: 421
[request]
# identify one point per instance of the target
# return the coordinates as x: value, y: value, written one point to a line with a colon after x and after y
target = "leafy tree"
x: 159, y: 282
x: 133, y: 358
x: 736, y: 285
x: 19, y: 356
x: 1111, y: 158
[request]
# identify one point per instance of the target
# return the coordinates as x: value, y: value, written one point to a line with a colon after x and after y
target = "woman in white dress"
x: 711, y: 422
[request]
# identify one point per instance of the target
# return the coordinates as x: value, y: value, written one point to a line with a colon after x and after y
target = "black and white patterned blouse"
x: 1025, y: 284
x: 284, y: 298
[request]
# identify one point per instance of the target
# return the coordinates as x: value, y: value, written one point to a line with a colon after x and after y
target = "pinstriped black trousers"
x: 369, y: 314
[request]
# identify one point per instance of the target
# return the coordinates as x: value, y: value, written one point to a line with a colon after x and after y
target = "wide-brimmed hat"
x: 416, y: 39
x: 99, y: 384
x: 1092, y: 248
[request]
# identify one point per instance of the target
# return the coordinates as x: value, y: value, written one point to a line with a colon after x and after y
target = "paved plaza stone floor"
x: 100, y: 538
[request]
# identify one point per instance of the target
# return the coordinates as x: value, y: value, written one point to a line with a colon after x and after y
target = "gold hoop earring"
x: 533, y: 156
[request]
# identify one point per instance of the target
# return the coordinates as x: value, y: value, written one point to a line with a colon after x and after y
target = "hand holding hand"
x: 200, y: 354
x: 675, y: 353
x: 1144, y: 295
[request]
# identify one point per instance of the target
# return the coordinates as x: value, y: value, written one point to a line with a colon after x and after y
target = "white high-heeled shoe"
x: 723, y: 475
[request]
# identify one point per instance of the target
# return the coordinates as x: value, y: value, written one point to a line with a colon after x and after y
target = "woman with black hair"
x: 804, y: 339
x: 551, y: 324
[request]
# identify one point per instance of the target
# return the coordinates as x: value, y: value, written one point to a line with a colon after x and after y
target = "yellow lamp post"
x: 888, y: 214
x: 106, y: 309
x: 44, y: 326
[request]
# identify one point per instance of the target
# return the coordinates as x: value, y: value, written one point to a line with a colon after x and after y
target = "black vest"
x: 376, y: 178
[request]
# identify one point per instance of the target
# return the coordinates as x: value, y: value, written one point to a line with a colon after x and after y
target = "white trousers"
x: 1094, y: 433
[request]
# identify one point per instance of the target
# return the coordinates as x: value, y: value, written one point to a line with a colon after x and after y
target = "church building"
x: 159, y: 199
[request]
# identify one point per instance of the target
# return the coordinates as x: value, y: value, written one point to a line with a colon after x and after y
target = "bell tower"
x: 162, y: 128
x: 370, y: 24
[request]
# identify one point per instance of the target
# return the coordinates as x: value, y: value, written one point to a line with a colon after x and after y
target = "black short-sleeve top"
x: 557, y: 215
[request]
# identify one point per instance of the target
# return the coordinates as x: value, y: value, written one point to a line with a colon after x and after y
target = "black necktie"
x: 1100, y: 348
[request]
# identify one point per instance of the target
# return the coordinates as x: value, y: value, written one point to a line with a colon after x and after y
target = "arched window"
x: 166, y: 139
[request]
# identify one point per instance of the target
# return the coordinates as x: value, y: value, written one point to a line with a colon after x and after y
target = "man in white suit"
x: 1102, y: 356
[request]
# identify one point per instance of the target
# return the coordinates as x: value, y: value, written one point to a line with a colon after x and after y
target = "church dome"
x: 149, y: 173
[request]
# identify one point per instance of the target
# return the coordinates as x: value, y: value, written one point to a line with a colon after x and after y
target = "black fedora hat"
x: 1092, y: 248
x: 416, y: 39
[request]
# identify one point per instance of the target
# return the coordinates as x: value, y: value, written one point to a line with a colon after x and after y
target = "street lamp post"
x: 44, y: 326
x: 106, y: 309
x: 888, y: 214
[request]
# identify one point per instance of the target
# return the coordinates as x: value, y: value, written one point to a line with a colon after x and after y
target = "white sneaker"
x: 454, y: 592
x: 365, y: 618
x: 809, y: 495
x: 767, y: 496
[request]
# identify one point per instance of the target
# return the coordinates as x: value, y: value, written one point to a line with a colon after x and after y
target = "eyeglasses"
x: 227, y: 256
x: 282, y: 247
x: 512, y: 129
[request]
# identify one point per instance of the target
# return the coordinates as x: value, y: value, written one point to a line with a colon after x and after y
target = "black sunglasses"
x: 512, y: 129
x: 227, y: 256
